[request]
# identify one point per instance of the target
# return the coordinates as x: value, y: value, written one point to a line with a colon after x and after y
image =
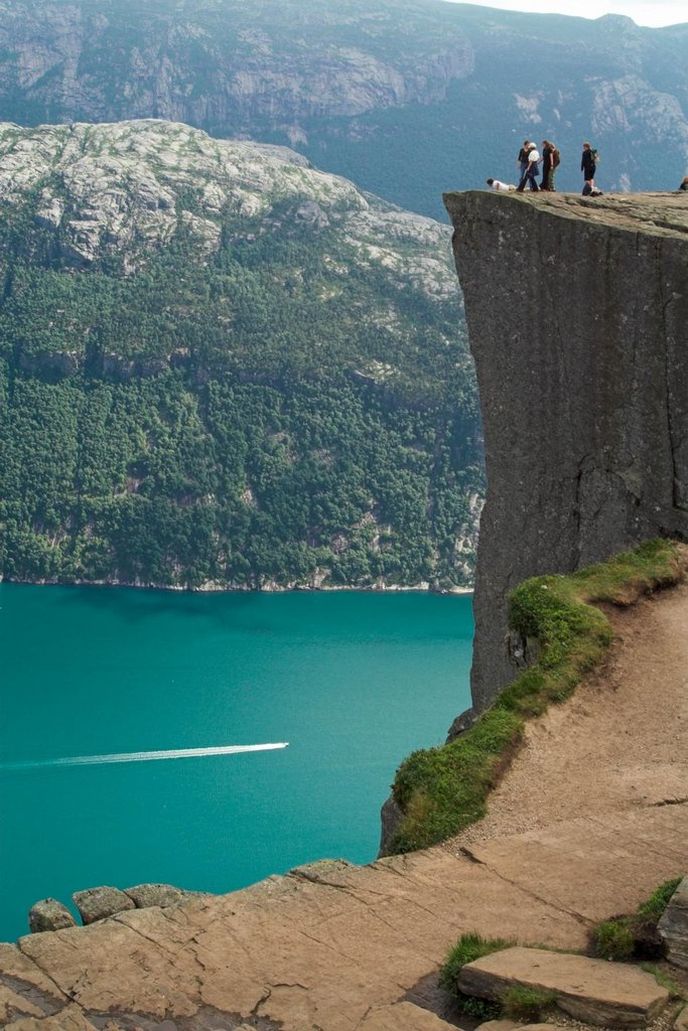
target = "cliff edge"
x: 577, y: 313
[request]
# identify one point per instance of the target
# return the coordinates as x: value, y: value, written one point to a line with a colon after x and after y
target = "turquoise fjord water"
x: 352, y: 681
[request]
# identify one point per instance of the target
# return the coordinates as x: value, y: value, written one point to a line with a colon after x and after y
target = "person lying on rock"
x: 495, y: 184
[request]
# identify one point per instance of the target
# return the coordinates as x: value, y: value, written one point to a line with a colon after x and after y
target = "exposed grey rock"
x: 592, y: 990
x: 673, y: 927
x: 583, y: 385
x: 461, y: 724
x: 390, y: 818
x: 143, y: 895
x: 122, y: 185
x: 99, y: 903
x: 49, y: 915
x: 312, y: 214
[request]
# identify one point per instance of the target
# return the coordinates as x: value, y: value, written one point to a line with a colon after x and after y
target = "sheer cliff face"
x: 578, y: 321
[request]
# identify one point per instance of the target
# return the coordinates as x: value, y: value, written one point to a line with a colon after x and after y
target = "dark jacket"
x: 588, y: 165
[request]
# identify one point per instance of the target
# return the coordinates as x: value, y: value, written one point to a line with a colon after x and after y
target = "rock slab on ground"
x: 99, y: 903
x: 673, y: 927
x: 403, y: 1016
x: 49, y: 915
x: 592, y: 990
x: 143, y: 895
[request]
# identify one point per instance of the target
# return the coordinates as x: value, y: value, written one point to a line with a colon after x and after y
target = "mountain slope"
x: 406, y: 97
x: 220, y: 366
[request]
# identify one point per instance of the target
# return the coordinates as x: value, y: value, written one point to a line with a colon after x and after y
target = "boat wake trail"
x: 143, y: 757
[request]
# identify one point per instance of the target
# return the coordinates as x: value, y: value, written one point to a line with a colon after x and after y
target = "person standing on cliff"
x: 550, y: 163
x: 589, y: 165
x: 522, y: 160
x: 531, y: 171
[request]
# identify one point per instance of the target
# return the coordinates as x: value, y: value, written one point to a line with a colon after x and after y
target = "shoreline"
x: 212, y: 587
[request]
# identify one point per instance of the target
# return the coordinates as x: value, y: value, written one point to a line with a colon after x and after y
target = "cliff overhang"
x: 577, y: 312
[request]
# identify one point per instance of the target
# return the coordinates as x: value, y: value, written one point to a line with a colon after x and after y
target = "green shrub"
x: 653, y: 908
x: 442, y: 790
x: 613, y: 939
x: 478, y: 1009
x: 468, y: 948
x: 526, y: 1004
x: 636, y: 934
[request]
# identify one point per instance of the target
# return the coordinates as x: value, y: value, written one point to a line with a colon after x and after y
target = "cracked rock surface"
x: 577, y: 314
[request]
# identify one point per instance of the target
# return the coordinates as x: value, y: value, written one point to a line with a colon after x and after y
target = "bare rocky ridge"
x: 578, y: 322
x: 114, y: 190
x: 337, y: 947
x: 251, y: 71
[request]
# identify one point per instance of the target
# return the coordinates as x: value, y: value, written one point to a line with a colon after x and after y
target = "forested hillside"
x: 407, y: 98
x: 221, y: 367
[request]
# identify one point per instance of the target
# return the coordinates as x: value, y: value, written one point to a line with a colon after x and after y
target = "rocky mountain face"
x: 406, y: 97
x: 583, y: 386
x: 221, y: 367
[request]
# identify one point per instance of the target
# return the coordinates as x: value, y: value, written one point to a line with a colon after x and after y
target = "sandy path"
x: 619, y: 743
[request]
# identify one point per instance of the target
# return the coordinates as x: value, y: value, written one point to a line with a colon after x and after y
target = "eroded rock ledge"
x: 577, y: 312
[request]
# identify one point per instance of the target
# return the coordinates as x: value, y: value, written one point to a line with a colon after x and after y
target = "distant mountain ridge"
x: 220, y: 367
x: 406, y: 97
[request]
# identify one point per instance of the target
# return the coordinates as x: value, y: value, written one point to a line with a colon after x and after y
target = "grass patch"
x: 526, y: 1004
x: 634, y: 936
x: 613, y: 939
x: 468, y: 948
x: 653, y: 908
x: 442, y: 790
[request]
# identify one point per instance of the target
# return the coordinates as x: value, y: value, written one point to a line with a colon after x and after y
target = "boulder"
x: 143, y: 895
x: 592, y: 990
x: 49, y: 915
x: 673, y: 926
x: 99, y: 903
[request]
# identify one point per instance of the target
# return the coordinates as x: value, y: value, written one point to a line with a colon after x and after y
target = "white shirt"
x: 533, y: 155
x: 497, y: 185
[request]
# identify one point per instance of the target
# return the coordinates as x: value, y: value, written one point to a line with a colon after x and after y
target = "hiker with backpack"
x: 589, y: 167
x: 550, y: 163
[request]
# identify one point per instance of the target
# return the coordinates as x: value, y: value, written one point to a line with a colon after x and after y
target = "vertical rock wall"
x: 577, y: 313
